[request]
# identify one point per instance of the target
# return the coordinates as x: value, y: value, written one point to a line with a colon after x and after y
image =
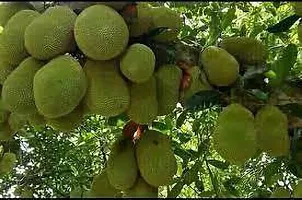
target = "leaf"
x: 218, y: 164
x: 259, y: 94
x: 160, y: 126
x: 192, y: 174
x: 184, y: 137
x: 181, y: 118
x: 202, y: 99
x: 283, y: 25
x: 174, y: 192
x: 157, y: 31
x: 199, y: 185
x: 292, y: 108
x: 185, y: 155
x: 228, y: 18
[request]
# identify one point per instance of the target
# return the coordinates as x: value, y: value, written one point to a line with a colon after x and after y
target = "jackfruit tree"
x: 150, y: 99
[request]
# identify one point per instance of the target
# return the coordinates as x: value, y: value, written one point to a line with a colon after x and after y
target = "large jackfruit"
x: 51, y: 34
x: 65, y: 81
x: 7, y: 163
x: 235, y: 135
x: 143, y: 23
x: 67, y: 122
x: 6, y: 133
x: 165, y: 17
x: 17, y: 90
x: 5, y: 70
x: 297, y: 6
x: 272, y: 131
x: 297, y: 190
x: 101, y: 33
x: 143, y: 107
x: 101, y: 187
x: 280, y: 193
x: 141, y: 189
x: 4, y: 113
x: 107, y: 94
x: 155, y: 158
x: 138, y: 63
x: 246, y: 50
x: 16, y: 121
x: 168, y: 78
x: 7, y: 10
x: 121, y: 165
x: 12, y: 49
x: 222, y: 68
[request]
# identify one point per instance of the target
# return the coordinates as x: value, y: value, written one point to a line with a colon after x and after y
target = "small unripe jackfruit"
x: 221, y: 67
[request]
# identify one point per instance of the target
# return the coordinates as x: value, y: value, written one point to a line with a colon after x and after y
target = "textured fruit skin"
x: 143, y: 22
x: 16, y: 122
x: 168, y: 79
x: 142, y: 189
x: 66, y: 82
x: 12, y: 49
x: 300, y: 32
x: 155, y: 158
x: 67, y: 122
x: 222, y: 68
x: 17, y: 90
x: 121, y: 165
x: 101, y: 99
x: 6, y: 133
x: 7, y: 162
x: 101, y: 187
x: 101, y: 33
x: 297, y: 190
x: 280, y: 193
x: 165, y: 17
x: 297, y: 6
x: 51, y: 34
x: 5, y: 70
x: 272, y: 131
x: 7, y: 10
x: 234, y: 137
x: 4, y: 113
x: 138, y: 63
x: 143, y: 107
x: 36, y: 119
x: 245, y: 50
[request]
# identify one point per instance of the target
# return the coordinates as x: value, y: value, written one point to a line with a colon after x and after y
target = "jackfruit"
x: 107, y: 94
x: 4, y: 113
x: 138, y: 63
x: 101, y: 33
x: 141, y: 189
x: 65, y: 81
x: 101, y: 187
x: 168, y: 78
x: 76, y: 193
x: 6, y: 133
x: 280, y: 193
x: 7, y: 10
x: 7, y: 163
x: 297, y: 190
x: 51, y: 34
x: 16, y: 121
x: 300, y: 32
x: 5, y: 70
x: 246, y: 50
x: 272, y: 131
x: 222, y: 68
x: 143, y: 23
x: 36, y: 120
x: 235, y: 135
x: 121, y: 165
x: 165, y: 17
x: 155, y: 158
x: 17, y: 90
x: 12, y: 49
x: 143, y: 107
x: 67, y: 122
x: 297, y: 6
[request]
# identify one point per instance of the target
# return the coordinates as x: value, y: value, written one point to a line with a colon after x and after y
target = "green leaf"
x: 181, y: 118
x: 218, y: 164
x: 160, y: 126
x: 174, y: 192
x: 202, y: 100
x: 283, y: 25
x: 184, y: 137
x: 259, y: 94
x: 192, y: 174
x: 185, y: 155
x: 228, y: 18
x: 292, y: 108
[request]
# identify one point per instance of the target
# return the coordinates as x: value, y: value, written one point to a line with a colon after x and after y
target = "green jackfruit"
x: 143, y: 107
x: 272, y: 131
x: 297, y: 6
x: 5, y: 70
x: 16, y: 121
x: 246, y: 50
x: 138, y: 63
x: 7, y: 163
x: 155, y: 158
x: 297, y: 190
x: 12, y: 49
x: 107, y: 94
x: 280, y: 193
x: 51, y: 34
x: 4, y: 113
x: 235, y: 135
x: 168, y: 78
x: 66, y: 82
x: 67, y: 122
x: 165, y: 17
x: 142, y: 189
x: 101, y: 187
x: 121, y: 165
x: 143, y: 23
x: 7, y: 10
x: 17, y: 90
x: 101, y: 33
x: 6, y: 133
x: 222, y: 68
x: 300, y: 32
x: 76, y: 193
x: 36, y: 119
